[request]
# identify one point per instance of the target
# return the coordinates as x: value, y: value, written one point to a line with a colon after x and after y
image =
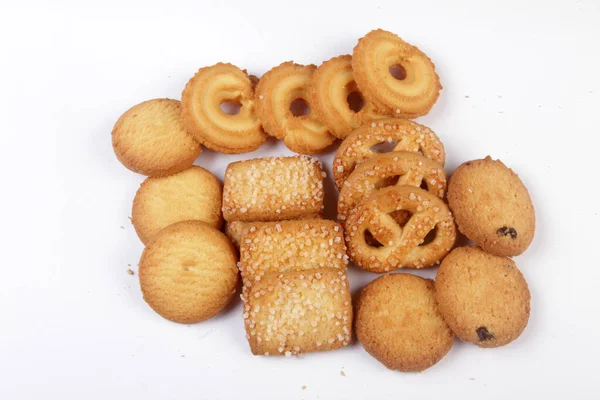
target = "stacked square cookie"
x: 295, y: 286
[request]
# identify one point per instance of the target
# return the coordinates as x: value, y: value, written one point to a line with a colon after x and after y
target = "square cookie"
x: 273, y: 189
x: 298, y: 312
x: 291, y: 246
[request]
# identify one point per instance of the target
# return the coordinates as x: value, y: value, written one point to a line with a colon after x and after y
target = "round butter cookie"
x: 188, y: 272
x: 192, y: 194
x: 398, y: 323
x: 150, y: 139
x: 483, y: 298
x: 492, y: 207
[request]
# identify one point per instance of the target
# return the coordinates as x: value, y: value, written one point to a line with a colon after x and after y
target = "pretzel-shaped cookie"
x: 409, y: 136
x: 399, y: 247
x: 388, y: 169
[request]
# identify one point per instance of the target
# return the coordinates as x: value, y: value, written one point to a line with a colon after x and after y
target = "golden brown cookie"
x: 188, y: 272
x: 298, y: 312
x: 201, y: 111
x: 276, y: 91
x: 150, y: 139
x: 192, y: 194
x: 483, y: 298
x: 378, y: 243
x: 409, y: 94
x: 492, y: 207
x: 398, y: 323
x: 402, y: 134
x: 395, y: 168
x: 291, y: 245
x: 235, y: 230
x: 273, y: 189
x: 332, y: 90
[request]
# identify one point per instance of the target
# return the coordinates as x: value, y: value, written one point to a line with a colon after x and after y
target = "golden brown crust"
x: 492, y: 207
x: 188, y: 272
x: 399, y: 247
x: 389, y: 169
x: 201, y: 110
x: 273, y: 189
x: 298, y: 312
x: 150, y: 139
x: 330, y: 86
x: 407, y: 135
x: 235, y: 230
x: 192, y: 194
x: 398, y: 323
x: 410, y: 97
x: 484, y: 298
x: 291, y: 245
x: 275, y: 92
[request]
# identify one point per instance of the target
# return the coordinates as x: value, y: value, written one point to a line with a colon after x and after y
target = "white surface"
x: 72, y: 322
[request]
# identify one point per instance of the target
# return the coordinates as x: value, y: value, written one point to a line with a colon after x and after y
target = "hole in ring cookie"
x: 371, y: 241
x: 231, y: 107
x: 398, y: 72
x: 299, y: 107
x: 355, y: 101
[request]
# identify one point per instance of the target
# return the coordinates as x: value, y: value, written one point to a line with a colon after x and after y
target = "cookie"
x: 235, y: 230
x: 389, y: 169
x: 332, y: 91
x: 204, y: 118
x: 150, y: 139
x: 398, y: 323
x: 273, y: 189
x: 399, y: 134
x: 298, y: 312
x: 291, y: 245
x: 378, y: 243
x: 484, y: 298
x: 188, y: 272
x: 275, y: 94
x: 492, y: 207
x: 192, y: 194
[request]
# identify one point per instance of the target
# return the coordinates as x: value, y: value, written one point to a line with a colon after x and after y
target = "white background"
x: 521, y: 83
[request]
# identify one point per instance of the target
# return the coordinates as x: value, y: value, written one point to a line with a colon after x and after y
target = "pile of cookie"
x: 396, y: 210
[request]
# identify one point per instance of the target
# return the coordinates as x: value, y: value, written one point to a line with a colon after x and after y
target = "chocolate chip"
x: 468, y: 163
x: 505, y: 231
x: 484, y: 334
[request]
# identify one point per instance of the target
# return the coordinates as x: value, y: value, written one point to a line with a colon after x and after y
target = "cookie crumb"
x: 182, y: 356
x: 472, y: 379
x: 122, y: 227
x: 342, y: 373
x: 466, y: 97
x: 304, y: 387
x: 129, y: 271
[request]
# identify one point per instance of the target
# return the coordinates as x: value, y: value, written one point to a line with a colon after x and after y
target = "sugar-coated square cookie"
x: 273, y: 189
x: 298, y: 312
x: 291, y: 246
